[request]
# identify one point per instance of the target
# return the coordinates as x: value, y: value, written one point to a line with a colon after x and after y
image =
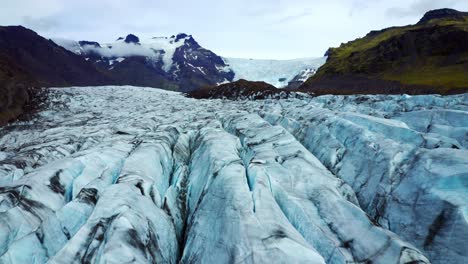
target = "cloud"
x: 294, y: 17
x: 122, y: 50
x: 20, y: 11
x: 419, y: 7
x: 40, y: 23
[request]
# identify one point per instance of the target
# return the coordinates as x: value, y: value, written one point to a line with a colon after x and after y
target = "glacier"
x: 156, y: 48
x: 275, y: 72
x: 121, y: 174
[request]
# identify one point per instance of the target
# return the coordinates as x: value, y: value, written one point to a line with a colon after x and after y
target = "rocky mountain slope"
x: 15, y: 87
x: 131, y: 174
x: 180, y: 63
x: 428, y: 57
x: 46, y: 62
x: 173, y: 63
x: 28, y: 60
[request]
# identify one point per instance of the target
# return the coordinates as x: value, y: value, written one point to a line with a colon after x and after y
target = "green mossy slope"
x: 429, y: 57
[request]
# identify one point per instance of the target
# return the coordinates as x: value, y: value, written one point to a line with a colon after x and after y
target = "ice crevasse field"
x: 131, y: 174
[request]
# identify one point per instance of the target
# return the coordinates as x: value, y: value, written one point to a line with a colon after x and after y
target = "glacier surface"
x: 131, y: 174
x: 275, y: 72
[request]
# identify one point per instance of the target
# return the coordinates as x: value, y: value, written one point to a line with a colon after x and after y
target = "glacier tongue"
x: 131, y: 174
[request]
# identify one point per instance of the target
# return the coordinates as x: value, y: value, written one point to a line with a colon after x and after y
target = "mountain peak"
x: 443, y: 13
x: 186, y: 39
x: 132, y: 39
x: 181, y: 36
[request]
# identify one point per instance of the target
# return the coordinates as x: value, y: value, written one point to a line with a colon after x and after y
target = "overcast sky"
x: 276, y: 29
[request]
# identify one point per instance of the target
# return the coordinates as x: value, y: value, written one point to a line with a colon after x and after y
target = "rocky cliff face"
x: 429, y: 57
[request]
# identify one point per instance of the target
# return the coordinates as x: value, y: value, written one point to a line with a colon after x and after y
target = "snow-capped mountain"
x: 139, y: 175
x: 180, y: 63
x: 279, y: 73
x: 175, y: 63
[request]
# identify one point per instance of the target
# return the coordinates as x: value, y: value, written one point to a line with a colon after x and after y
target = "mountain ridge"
x: 173, y: 63
x: 428, y: 57
x: 180, y: 60
x: 29, y: 61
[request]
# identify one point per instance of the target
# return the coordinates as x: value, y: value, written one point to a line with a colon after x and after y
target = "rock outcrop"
x: 429, y: 57
x: 243, y: 89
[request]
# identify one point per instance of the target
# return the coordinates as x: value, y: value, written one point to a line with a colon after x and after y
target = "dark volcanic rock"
x: 89, y: 43
x: 132, y: 39
x: 180, y: 36
x: 243, y: 89
x: 443, y: 13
